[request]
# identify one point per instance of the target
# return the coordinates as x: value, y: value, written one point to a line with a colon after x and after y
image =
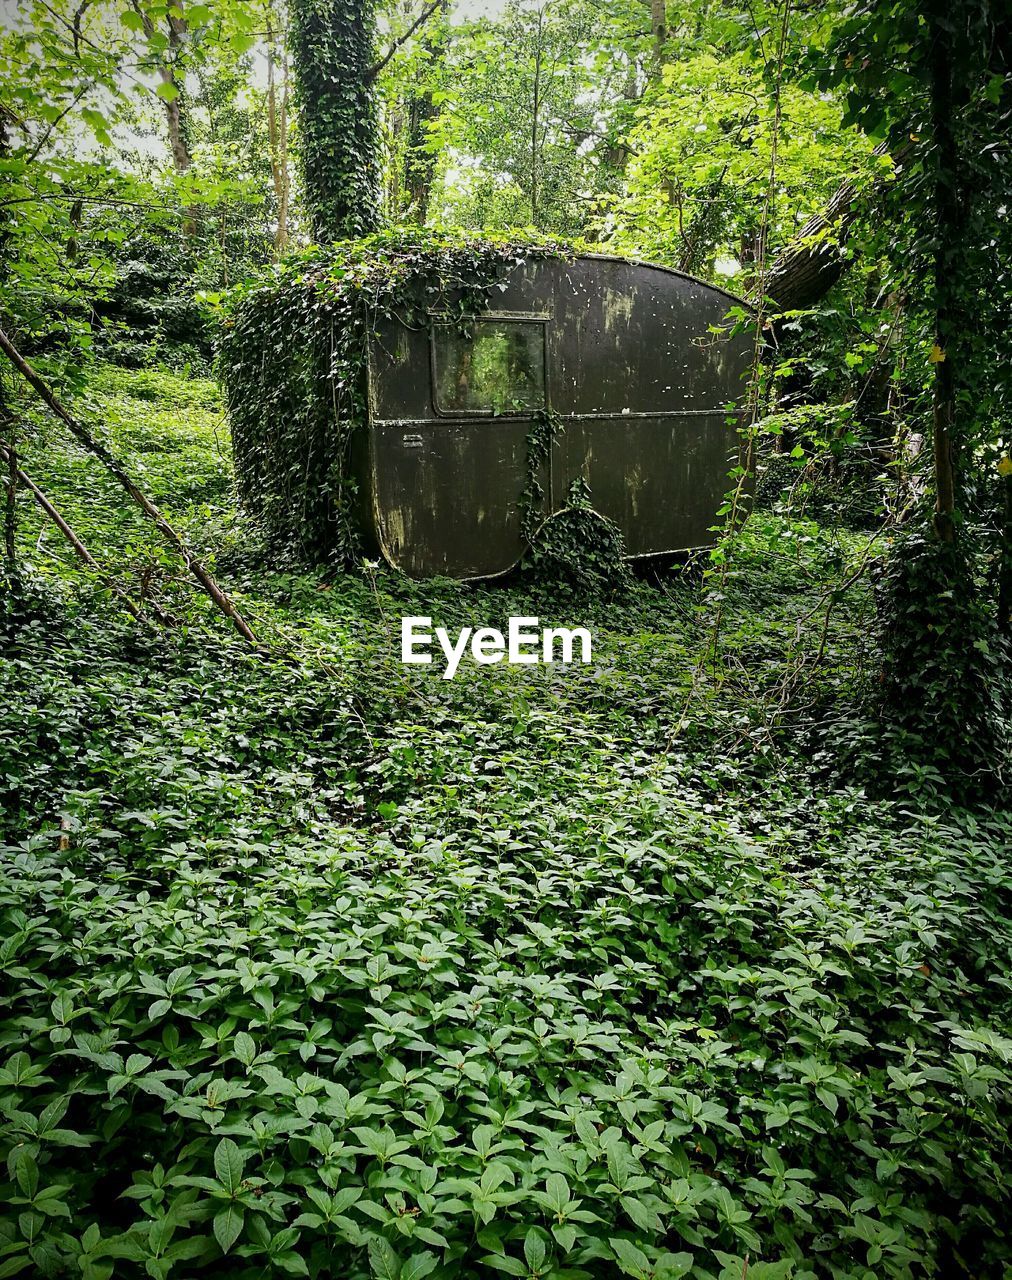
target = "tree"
x: 167, y: 47
x: 333, y: 58
x: 277, y: 126
x: 519, y: 130
x: 934, y: 79
x: 420, y: 158
x: 696, y: 187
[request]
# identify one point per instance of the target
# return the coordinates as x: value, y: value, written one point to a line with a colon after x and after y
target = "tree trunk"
x: 332, y: 56
x: 659, y: 27
x: 1005, y: 555
x: 804, y: 272
x: 419, y: 161
x: 947, y: 243
x: 536, y: 121
x: 173, y: 107
x: 807, y: 269
x: 277, y: 133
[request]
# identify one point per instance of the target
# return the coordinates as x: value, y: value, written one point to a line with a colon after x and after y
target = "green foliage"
x: 324, y: 967
x: 704, y: 144
x: 98, y: 231
x: 946, y: 692
x: 577, y: 546
x: 332, y: 51
x: 563, y: 1021
x: 935, y: 85
x: 519, y: 105
x: 546, y: 426
x: 293, y: 362
x: 149, y: 314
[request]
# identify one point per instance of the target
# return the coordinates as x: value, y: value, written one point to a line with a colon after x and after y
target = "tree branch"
x: 422, y: 18
x: 806, y: 269
x: 80, y: 550
x: 81, y: 433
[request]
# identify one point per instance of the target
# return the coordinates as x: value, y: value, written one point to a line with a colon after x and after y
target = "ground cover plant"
x: 314, y: 964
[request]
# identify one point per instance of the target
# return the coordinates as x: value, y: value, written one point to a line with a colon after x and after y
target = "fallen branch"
x: 806, y: 269
x: 80, y: 550
x: 81, y: 433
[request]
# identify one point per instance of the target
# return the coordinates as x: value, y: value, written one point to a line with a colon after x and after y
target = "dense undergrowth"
x: 321, y: 965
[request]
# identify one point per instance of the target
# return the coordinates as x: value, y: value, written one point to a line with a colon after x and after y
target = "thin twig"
x: 80, y: 550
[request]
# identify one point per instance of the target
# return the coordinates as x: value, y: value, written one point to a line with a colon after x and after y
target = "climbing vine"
x: 546, y: 426
x: 332, y: 53
x: 293, y: 360
x: 576, y: 544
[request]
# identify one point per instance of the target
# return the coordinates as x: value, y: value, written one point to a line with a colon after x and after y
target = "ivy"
x: 945, y: 686
x: 578, y: 546
x: 575, y: 545
x: 293, y: 359
x: 546, y: 426
x: 332, y: 48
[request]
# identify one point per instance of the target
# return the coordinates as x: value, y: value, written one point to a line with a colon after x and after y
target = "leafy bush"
x: 578, y: 548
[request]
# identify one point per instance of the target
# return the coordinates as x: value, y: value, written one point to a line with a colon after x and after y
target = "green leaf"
x: 565, y: 1236
x: 633, y: 1261
x: 503, y: 1262
x: 419, y: 1265
x: 557, y: 1191
x: 14, y: 1266
x: 26, y: 1172
x: 228, y: 1223
x: 244, y: 1047
x: 383, y: 1259
x: 534, y: 1248
x: 229, y: 1165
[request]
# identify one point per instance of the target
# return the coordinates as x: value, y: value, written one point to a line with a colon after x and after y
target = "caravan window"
x: 489, y: 367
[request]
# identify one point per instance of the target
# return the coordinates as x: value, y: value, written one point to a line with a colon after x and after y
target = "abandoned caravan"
x: 613, y: 366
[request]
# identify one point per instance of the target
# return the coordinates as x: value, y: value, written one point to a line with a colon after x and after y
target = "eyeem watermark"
x: 523, y: 643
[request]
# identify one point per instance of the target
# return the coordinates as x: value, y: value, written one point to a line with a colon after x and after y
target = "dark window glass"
x: 493, y: 366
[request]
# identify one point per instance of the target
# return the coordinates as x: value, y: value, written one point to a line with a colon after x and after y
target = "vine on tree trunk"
x: 332, y: 54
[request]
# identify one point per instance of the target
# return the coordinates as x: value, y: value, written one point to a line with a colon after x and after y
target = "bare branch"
x: 422, y: 18
x: 80, y: 550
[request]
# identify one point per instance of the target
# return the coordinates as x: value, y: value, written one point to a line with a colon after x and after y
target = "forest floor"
x: 334, y: 967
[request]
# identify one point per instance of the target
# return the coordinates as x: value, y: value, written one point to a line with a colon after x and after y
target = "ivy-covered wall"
x: 293, y: 359
x: 332, y: 53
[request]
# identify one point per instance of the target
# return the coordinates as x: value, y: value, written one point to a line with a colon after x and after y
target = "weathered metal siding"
x: 639, y: 383
x: 445, y: 490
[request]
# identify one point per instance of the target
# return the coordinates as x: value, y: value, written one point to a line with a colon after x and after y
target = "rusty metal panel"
x: 639, y: 382
x: 660, y: 479
x: 446, y: 494
x: 630, y: 338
